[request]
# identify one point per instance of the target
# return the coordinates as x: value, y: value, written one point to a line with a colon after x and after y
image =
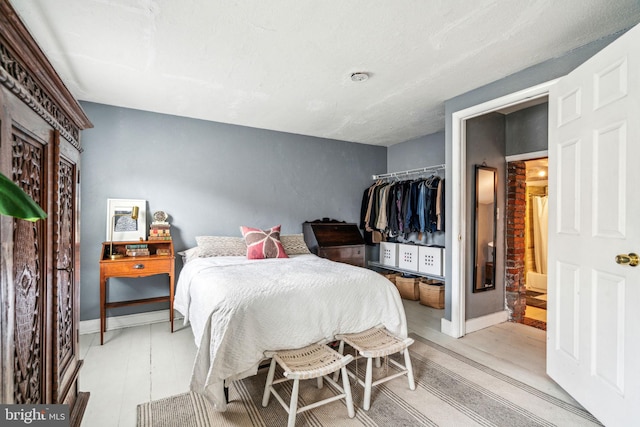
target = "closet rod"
x: 409, y: 172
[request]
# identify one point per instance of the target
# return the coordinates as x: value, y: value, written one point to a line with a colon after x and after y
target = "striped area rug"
x: 452, y: 390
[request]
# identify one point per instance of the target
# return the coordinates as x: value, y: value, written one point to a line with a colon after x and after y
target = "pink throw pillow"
x: 263, y: 244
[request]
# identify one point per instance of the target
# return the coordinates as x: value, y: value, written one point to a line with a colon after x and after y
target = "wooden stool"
x: 314, y: 361
x: 375, y: 343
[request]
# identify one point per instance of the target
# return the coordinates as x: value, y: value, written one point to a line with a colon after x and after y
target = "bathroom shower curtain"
x: 540, y: 227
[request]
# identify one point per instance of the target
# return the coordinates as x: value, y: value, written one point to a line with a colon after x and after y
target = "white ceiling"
x: 285, y: 64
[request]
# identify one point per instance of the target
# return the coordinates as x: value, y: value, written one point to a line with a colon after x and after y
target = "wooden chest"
x: 337, y: 241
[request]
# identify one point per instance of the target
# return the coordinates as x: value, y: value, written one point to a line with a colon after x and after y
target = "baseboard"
x: 478, y: 323
x: 79, y: 407
x: 446, y: 327
x: 118, y: 322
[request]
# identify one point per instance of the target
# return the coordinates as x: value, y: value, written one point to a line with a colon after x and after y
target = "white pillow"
x: 189, y: 254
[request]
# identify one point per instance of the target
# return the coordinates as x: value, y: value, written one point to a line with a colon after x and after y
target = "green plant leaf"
x: 16, y: 203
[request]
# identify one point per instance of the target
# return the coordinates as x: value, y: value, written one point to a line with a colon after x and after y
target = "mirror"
x: 484, y: 275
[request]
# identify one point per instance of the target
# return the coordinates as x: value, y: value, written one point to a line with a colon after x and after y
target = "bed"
x: 238, y: 308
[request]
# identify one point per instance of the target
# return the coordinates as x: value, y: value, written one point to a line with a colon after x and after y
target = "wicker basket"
x: 408, y: 287
x: 431, y: 294
x: 391, y: 276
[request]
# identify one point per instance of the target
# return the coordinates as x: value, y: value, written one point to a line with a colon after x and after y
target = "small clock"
x: 160, y: 216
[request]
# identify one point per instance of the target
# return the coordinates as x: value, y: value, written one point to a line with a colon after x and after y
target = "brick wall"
x: 515, y: 240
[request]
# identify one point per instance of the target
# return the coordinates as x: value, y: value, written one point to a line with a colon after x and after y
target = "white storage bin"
x: 389, y: 254
x: 430, y: 260
x: 408, y: 257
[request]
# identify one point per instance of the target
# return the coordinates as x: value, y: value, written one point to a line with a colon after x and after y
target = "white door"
x: 593, y: 339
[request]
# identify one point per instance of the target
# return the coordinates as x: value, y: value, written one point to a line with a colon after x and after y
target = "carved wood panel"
x: 17, y: 78
x: 29, y: 275
x: 64, y: 251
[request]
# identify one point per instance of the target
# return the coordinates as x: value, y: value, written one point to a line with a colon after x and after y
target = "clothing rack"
x: 409, y: 172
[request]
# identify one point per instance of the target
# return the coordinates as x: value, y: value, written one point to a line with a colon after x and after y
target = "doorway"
x: 593, y: 131
x: 526, y: 237
x: 459, y: 325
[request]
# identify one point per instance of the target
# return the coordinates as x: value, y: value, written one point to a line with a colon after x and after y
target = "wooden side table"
x: 135, y: 266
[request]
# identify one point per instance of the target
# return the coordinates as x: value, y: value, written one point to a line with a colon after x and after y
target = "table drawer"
x: 138, y: 267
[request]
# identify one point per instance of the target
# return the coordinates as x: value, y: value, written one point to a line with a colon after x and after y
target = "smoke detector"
x: 360, y: 76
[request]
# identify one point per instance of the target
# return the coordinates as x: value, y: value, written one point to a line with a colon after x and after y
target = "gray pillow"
x: 221, y: 246
x: 294, y: 244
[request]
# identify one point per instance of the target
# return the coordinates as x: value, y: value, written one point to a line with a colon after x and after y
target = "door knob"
x: 631, y: 259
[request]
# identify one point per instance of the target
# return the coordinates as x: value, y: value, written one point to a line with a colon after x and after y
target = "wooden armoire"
x: 40, y: 125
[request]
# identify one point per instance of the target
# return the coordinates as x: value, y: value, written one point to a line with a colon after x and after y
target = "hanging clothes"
x: 431, y: 185
x: 368, y: 214
x: 440, y: 206
x: 402, y: 207
x: 381, y: 218
x: 392, y: 209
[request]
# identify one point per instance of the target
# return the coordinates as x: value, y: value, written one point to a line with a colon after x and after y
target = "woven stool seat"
x: 309, y: 362
x: 375, y: 343
x: 314, y: 361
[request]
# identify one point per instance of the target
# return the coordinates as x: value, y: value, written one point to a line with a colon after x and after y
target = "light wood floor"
x: 144, y: 363
x: 514, y: 349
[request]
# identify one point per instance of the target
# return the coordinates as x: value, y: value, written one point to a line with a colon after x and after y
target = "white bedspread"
x: 238, y: 308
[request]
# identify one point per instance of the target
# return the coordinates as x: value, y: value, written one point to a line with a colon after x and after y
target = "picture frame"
x: 120, y: 226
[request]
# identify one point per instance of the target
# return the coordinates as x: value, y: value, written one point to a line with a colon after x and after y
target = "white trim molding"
x: 482, y: 322
x: 118, y: 322
x: 447, y: 328
x: 528, y: 156
x: 458, y: 326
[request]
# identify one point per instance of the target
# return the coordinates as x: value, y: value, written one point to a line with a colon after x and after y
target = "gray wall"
x: 485, y: 145
x: 417, y: 153
x: 526, y: 78
x: 210, y: 178
x: 527, y: 130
